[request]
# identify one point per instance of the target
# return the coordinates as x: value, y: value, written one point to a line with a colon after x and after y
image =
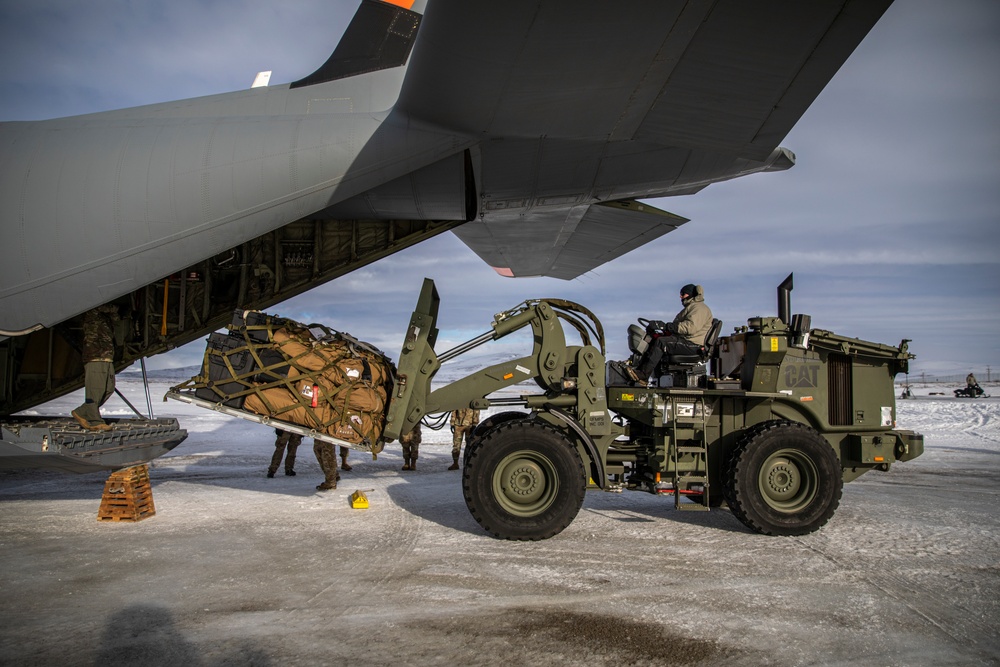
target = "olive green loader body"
x: 772, y: 422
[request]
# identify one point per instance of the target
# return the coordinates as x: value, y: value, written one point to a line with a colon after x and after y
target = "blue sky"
x: 890, y: 220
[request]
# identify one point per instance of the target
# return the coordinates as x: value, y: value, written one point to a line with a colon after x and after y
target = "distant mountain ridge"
x: 134, y: 372
x: 451, y: 371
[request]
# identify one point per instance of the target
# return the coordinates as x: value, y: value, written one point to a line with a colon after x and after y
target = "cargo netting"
x: 309, y: 375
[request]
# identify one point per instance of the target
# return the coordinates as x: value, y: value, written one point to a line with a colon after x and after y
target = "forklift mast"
x: 562, y: 372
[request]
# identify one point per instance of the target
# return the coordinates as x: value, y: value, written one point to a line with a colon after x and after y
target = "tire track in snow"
x: 943, y: 613
x: 387, y: 561
x: 982, y: 426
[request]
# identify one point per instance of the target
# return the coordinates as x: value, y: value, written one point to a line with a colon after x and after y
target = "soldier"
x: 463, y: 423
x: 292, y: 440
x: 343, y: 457
x: 685, y: 335
x: 970, y: 380
x: 411, y: 443
x: 327, y: 457
x: 98, y: 366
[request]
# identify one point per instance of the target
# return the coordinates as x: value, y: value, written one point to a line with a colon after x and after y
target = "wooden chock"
x: 127, y: 496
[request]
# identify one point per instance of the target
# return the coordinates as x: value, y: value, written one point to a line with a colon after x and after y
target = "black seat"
x: 704, y: 352
x: 648, y: 358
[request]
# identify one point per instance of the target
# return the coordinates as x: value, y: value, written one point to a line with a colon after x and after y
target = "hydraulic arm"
x: 551, y: 364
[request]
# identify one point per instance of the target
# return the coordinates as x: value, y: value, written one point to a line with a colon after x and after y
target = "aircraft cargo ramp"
x: 59, y: 442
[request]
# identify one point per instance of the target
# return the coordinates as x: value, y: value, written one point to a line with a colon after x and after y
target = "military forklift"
x: 772, y: 419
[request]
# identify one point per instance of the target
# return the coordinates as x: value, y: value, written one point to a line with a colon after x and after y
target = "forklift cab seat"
x: 706, y: 350
x: 638, y: 340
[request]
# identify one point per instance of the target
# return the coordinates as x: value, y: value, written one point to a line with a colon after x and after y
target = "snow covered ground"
x: 235, y: 568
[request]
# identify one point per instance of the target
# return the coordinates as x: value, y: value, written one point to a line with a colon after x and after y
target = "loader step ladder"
x: 689, y: 416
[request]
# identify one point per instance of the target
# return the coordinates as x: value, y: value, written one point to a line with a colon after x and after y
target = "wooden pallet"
x: 127, y: 496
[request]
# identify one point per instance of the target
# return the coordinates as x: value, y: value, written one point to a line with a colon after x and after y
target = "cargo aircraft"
x: 530, y: 129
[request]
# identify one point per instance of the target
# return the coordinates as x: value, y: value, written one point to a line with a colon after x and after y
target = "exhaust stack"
x: 785, y: 300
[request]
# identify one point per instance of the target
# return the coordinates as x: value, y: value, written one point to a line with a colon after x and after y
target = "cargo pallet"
x: 304, y: 431
x: 127, y: 496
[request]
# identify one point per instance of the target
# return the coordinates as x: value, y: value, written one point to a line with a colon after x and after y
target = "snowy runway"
x: 236, y: 568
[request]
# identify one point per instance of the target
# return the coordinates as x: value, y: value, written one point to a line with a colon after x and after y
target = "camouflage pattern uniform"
x: 292, y: 441
x: 411, y: 444
x: 463, y: 424
x: 344, y: 451
x: 327, y: 457
x: 98, y: 365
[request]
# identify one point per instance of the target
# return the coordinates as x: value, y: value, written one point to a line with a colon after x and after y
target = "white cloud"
x: 890, y: 220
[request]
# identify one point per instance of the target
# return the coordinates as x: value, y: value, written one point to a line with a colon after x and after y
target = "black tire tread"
x: 738, y: 497
x: 528, y: 529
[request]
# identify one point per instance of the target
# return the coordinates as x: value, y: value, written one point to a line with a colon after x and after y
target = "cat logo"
x: 802, y: 376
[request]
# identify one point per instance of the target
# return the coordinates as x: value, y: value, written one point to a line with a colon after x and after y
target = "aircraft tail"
x: 380, y: 36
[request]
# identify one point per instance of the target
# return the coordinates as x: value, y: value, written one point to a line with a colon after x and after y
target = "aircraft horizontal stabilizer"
x: 566, y: 243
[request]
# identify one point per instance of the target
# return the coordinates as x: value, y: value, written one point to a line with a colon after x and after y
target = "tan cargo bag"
x: 309, y: 375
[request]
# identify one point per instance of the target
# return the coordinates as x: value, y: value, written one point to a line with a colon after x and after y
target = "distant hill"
x: 134, y: 372
x: 453, y: 370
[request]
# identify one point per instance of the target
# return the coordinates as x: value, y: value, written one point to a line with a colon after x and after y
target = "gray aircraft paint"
x: 561, y: 106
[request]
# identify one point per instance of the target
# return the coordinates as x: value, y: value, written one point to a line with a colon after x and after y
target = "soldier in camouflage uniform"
x: 411, y: 443
x: 327, y: 457
x: 463, y: 423
x: 292, y: 441
x: 98, y: 366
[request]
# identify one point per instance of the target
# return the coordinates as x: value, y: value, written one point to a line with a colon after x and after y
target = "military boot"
x: 406, y: 464
x: 276, y: 461
x: 90, y: 424
x: 413, y: 463
x: 454, y: 465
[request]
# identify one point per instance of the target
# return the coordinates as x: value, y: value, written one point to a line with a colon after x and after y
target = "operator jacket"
x: 694, y: 321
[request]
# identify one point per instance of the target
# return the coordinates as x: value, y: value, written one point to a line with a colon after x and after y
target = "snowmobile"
x: 972, y: 391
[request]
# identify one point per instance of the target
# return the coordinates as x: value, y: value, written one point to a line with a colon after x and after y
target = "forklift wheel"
x: 523, y: 480
x: 487, y: 425
x: 783, y: 478
x: 497, y: 419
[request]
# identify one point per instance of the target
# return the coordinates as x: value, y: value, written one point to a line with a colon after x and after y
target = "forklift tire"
x: 783, y: 478
x: 523, y: 480
x: 495, y: 420
x: 488, y: 424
